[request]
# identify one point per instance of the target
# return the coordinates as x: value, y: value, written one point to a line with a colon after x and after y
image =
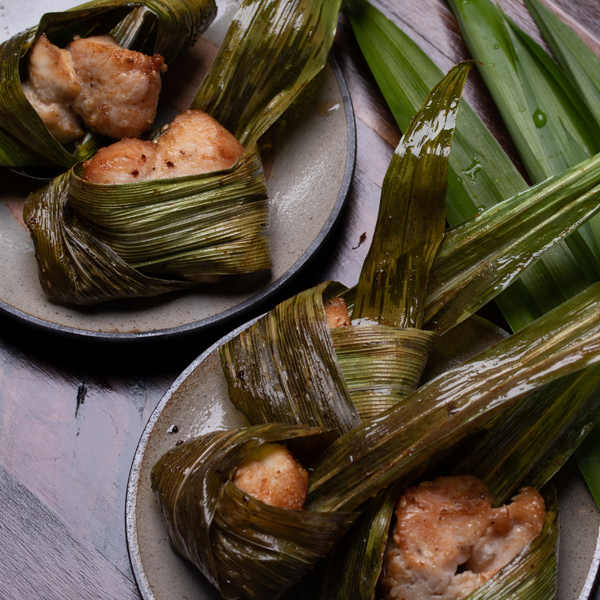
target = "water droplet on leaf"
x: 539, y: 118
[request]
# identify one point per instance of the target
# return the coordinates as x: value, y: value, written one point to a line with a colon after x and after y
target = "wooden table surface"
x: 72, y: 411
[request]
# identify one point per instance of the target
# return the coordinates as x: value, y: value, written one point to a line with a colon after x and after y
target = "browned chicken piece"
x: 113, y: 91
x: 119, y: 87
x: 194, y: 143
x: 448, y: 523
x: 272, y: 475
x: 514, y: 526
x: 336, y: 313
x: 134, y: 161
x: 51, y: 89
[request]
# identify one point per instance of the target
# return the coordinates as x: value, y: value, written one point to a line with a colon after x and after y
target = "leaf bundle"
x: 167, y: 27
x: 364, y: 469
x: 209, y: 224
x: 240, y: 544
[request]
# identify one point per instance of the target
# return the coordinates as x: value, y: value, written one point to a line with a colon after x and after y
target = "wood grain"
x: 42, y: 558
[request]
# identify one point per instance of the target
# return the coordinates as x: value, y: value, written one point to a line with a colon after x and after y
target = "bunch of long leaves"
x: 550, y: 111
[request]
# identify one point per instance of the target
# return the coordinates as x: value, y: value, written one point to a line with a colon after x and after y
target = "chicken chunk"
x: 119, y: 87
x: 51, y: 89
x: 94, y: 83
x: 336, y: 313
x: 272, y: 475
x: 194, y: 143
x: 449, y: 523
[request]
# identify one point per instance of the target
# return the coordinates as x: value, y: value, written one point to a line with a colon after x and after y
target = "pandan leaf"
x: 576, y: 58
x: 441, y: 412
x: 242, y: 545
x: 271, y: 51
x: 411, y: 219
x: 69, y: 255
x: 284, y: 369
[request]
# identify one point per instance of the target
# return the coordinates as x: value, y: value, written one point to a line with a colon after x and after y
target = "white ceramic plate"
x: 198, y: 403
x: 308, y: 184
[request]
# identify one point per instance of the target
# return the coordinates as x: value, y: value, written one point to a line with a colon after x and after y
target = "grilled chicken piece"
x: 194, y: 143
x: 448, y: 523
x: 119, y: 87
x: 51, y: 89
x: 93, y: 82
x: 336, y: 313
x: 272, y: 475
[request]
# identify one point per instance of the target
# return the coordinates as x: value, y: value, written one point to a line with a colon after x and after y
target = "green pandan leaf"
x: 398, y: 443
x: 576, y: 58
x: 410, y: 225
x: 545, y: 116
x: 271, y: 51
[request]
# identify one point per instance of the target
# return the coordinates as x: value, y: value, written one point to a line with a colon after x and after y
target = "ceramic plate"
x: 198, y: 403
x: 308, y: 182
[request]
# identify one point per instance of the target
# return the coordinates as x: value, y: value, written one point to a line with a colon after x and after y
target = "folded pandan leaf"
x: 214, y: 223
x: 442, y: 412
x: 271, y: 51
x: 480, y: 172
x: 167, y: 27
x: 355, y: 563
x: 283, y: 368
x: 379, y: 364
x: 243, y: 546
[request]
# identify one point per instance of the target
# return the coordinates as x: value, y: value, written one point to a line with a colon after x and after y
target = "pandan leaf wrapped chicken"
x: 89, y: 74
x: 292, y: 366
x: 144, y: 217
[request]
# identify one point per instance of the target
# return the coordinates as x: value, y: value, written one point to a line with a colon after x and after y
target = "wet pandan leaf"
x: 216, y: 223
x: 243, y: 546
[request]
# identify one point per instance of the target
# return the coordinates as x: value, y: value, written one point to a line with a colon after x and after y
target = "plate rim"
x: 133, y: 548
x: 247, y: 307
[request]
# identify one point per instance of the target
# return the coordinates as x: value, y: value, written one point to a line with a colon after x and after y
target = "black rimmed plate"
x: 198, y: 402
x: 308, y: 184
